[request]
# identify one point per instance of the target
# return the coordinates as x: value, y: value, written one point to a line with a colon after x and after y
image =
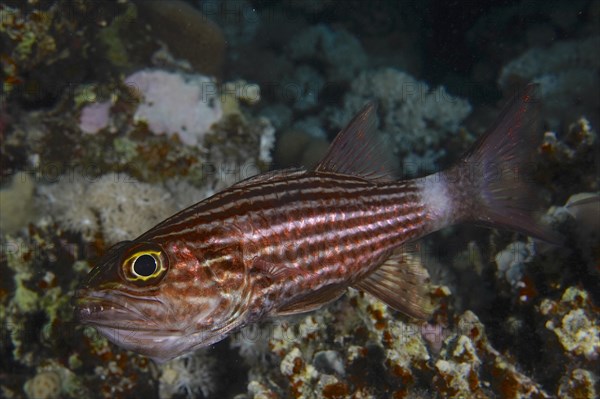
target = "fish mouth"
x: 101, y: 309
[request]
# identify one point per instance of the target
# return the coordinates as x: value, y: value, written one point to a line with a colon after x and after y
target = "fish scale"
x: 291, y: 241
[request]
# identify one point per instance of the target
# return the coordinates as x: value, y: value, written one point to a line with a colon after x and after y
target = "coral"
x: 189, y: 375
x: 239, y: 20
x: 118, y: 205
x: 29, y: 33
x: 95, y: 117
x: 567, y: 163
x: 126, y: 207
x: 99, y: 170
x: 241, y: 90
x: 578, y: 334
x: 417, y: 119
x: 568, y: 76
x: 297, y: 148
x: 45, y: 385
x: 38, y: 307
x: 53, y: 381
x: 278, y: 114
x: 40, y: 56
x: 186, y: 105
x: 188, y: 33
x: 267, y: 141
x: 312, y: 126
x: 62, y: 201
x: 121, y: 207
x: 339, y: 50
x: 41, y: 268
x: 252, y: 343
x: 468, y: 350
x: 112, y: 36
x: 237, y: 148
x: 578, y: 384
x: 16, y: 205
x: 574, y: 323
x: 511, y: 261
x: 579, y: 139
x: 358, y: 348
x: 302, y: 88
x: 560, y: 56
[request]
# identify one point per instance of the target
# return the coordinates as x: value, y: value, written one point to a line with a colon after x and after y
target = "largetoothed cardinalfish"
x: 291, y: 241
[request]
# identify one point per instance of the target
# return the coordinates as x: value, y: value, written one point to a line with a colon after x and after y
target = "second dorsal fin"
x: 357, y: 150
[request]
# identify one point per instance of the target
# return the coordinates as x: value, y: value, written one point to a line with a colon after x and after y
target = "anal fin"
x: 402, y: 283
x: 311, y: 301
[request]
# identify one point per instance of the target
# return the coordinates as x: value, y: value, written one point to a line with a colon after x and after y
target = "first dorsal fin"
x: 358, y: 151
x: 402, y: 283
x: 270, y: 176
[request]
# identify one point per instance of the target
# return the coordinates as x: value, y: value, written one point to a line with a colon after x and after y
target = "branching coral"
x: 117, y: 205
x: 416, y: 118
x: 568, y: 75
x: 339, y: 50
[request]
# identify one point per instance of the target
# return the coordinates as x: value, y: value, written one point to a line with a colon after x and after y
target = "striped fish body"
x: 291, y: 241
x: 292, y: 235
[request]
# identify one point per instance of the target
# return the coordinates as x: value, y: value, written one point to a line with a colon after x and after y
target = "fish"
x: 291, y: 241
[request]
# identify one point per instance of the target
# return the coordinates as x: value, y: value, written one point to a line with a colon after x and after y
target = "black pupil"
x: 145, y: 265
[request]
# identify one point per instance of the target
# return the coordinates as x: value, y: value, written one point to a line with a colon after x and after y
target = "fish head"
x: 159, y: 300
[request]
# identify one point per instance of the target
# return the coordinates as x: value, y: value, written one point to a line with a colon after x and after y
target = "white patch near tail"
x: 435, y: 195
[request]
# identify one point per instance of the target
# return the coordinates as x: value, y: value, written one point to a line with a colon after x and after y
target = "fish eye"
x: 144, y: 263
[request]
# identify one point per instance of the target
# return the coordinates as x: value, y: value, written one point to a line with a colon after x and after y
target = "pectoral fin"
x: 403, y: 284
x: 277, y: 274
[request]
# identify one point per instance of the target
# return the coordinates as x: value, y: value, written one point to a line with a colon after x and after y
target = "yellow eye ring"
x: 144, y: 266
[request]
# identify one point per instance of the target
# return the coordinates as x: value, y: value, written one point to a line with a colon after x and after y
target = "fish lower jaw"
x: 158, y: 344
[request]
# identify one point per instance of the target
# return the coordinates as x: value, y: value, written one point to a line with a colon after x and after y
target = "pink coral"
x: 186, y: 105
x: 94, y: 117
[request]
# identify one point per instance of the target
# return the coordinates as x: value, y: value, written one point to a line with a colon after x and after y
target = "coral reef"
x: 16, y: 203
x: 95, y: 117
x: 44, y: 352
x: 341, y: 352
x: 511, y: 261
x: 113, y: 115
x: 45, y: 385
x: 30, y: 41
x: 578, y: 384
x: 416, y: 119
x: 191, y: 375
x: 176, y: 104
x: 339, y: 51
x: 118, y: 207
x: 574, y: 323
x: 568, y: 75
x: 188, y: 33
x: 238, y: 19
x: 297, y: 148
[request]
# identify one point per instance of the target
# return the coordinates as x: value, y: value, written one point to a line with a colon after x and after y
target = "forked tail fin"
x: 492, y: 182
